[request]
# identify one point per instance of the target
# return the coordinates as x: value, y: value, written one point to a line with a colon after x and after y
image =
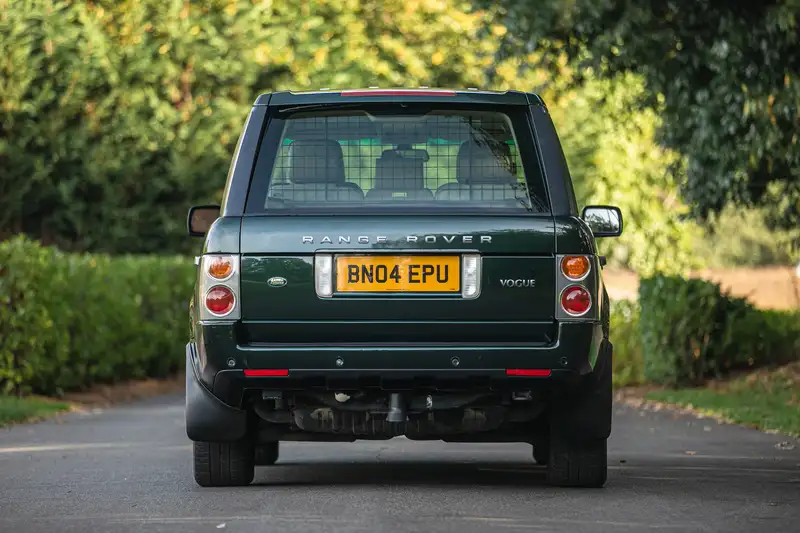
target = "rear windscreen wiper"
x: 318, y: 107
x: 278, y: 199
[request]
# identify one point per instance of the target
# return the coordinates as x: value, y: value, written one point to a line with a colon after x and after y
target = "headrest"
x: 483, y: 161
x: 316, y: 161
x: 395, y: 172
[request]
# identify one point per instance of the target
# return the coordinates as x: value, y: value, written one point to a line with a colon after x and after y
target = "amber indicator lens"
x: 220, y: 267
x: 575, y: 266
x: 220, y: 300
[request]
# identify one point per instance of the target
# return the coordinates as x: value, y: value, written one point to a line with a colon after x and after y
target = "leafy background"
x: 118, y: 115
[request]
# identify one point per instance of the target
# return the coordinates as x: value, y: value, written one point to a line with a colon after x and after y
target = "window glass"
x: 437, y: 160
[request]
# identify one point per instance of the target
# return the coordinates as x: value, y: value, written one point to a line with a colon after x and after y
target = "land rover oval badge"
x: 277, y: 281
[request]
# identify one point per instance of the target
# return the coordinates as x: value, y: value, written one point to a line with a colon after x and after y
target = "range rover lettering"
x: 407, y: 262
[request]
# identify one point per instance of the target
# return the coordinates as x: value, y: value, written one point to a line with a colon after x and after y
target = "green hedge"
x: 628, y: 362
x: 691, y: 330
x: 68, y: 321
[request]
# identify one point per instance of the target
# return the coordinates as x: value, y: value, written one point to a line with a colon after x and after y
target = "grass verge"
x: 15, y: 410
x: 766, y: 399
x: 27, y: 409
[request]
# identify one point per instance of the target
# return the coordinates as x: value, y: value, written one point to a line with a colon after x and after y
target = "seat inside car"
x: 316, y: 174
x: 399, y: 178
x: 483, y: 173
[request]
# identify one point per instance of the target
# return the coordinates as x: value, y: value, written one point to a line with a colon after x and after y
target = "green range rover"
x: 407, y: 262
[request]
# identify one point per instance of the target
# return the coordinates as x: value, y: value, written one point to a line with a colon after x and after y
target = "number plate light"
x: 470, y: 276
x: 323, y: 275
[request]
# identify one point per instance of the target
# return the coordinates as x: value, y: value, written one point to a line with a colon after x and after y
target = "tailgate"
x: 397, y: 279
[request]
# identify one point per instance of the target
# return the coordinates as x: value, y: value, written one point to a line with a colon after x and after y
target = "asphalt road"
x: 129, y: 469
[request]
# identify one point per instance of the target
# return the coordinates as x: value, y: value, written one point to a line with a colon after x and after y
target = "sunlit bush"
x: 68, y: 321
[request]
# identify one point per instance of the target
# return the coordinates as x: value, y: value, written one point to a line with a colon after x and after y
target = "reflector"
x: 266, y: 372
x: 528, y: 372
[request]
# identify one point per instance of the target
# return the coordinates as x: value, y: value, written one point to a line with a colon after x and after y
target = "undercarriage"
x: 348, y: 416
x: 567, y: 425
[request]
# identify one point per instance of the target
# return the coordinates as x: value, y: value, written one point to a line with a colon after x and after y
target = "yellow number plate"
x: 404, y: 273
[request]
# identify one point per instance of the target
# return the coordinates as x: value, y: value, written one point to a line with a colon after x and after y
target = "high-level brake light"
x: 398, y: 92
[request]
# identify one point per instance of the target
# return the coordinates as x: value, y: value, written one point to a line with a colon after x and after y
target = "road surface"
x: 129, y: 469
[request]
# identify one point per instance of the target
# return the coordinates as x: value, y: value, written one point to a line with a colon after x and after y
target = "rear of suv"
x: 392, y: 263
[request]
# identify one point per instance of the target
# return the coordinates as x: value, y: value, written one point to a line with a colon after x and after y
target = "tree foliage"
x: 614, y: 159
x: 725, y: 75
x: 118, y: 115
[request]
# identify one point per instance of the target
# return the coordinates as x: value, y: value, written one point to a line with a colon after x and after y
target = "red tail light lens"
x: 220, y: 300
x: 576, y: 300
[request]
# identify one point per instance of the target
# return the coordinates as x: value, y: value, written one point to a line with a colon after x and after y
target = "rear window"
x: 397, y: 158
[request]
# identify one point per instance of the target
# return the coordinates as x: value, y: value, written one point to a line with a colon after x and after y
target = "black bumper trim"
x: 207, y: 418
x: 231, y: 385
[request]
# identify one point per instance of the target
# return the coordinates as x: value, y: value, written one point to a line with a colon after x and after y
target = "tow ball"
x: 397, y: 408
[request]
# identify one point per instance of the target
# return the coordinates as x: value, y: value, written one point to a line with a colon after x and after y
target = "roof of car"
x: 420, y: 94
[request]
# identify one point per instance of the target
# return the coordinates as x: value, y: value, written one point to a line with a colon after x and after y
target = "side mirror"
x: 604, y: 220
x: 200, y: 219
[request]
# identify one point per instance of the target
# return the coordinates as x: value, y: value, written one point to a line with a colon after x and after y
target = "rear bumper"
x: 219, y: 363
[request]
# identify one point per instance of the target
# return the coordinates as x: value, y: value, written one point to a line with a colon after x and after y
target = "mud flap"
x: 208, y: 419
x: 586, y: 416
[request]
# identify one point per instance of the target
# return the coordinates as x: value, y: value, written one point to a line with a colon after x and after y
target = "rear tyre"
x: 579, y: 431
x: 578, y: 464
x: 267, y: 453
x: 224, y: 464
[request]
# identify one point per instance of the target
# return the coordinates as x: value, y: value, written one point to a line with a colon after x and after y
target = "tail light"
x: 220, y: 267
x: 220, y: 300
x: 577, y: 286
x: 576, y: 300
x: 575, y: 267
x: 219, y: 287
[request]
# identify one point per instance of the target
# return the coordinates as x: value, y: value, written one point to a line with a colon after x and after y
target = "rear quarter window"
x: 397, y: 158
